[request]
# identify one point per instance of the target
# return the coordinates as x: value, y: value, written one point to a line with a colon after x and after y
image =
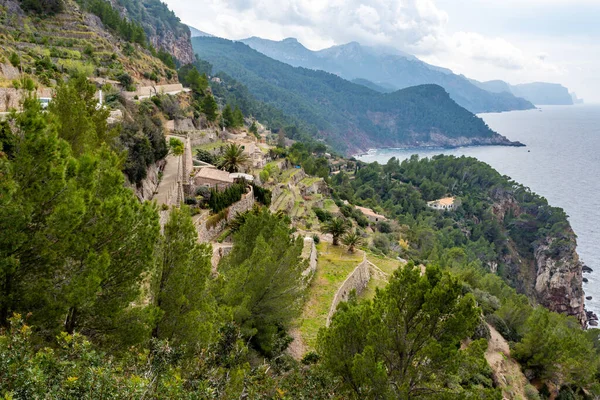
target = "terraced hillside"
x: 47, y: 49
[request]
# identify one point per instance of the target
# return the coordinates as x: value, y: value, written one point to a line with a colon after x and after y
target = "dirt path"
x: 507, y: 372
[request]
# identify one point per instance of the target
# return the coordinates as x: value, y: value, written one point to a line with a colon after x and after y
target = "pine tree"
x: 78, y: 120
x: 209, y: 107
x: 238, y: 118
x: 263, y: 279
x: 228, y: 119
x: 407, y: 341
x: 180, y: 280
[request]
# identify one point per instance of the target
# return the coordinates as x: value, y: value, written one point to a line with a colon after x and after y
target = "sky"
x: 518, y: 41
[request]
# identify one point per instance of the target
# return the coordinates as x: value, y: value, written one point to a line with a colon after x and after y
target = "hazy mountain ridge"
x: 350, y: 117
x: 385, y: 67
x: 539, y: 93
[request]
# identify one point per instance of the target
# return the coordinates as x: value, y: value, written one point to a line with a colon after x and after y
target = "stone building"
x: 447, y: 203
x: 213, y: 178
x: 371, y: 215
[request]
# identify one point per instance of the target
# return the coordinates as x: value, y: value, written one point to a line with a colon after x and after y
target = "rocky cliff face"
x: 553, y: 274
x: 163, y: 28
x: 178, y: 45
x: 559, y: 279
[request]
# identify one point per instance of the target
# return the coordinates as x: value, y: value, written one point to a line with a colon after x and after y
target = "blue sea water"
x: 561, y: 161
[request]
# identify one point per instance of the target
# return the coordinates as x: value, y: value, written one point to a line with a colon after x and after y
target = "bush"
x: 15, y: 60
x: 384, y: 227
x: 262, y: 195
x: 316, y: 239
x: 221, y: 200
x: 213, y: 220
x: 322, y: 215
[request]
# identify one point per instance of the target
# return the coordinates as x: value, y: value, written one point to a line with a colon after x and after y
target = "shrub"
x: 221, y: 200
x: 322, y: 215
x: 384, y: 227
x: 14, y: 59
x: 214, y: 220
x: 262, y: 195
x: 316, y: 239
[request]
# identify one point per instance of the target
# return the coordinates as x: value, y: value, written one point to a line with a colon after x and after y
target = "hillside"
x: 350, y: 117
x: 163, y: 28
x: 49, y: 48
x: 387, y: 67
x: 539, y: 93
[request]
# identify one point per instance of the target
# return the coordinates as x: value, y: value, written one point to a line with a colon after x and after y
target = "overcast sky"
x: 514, y: 40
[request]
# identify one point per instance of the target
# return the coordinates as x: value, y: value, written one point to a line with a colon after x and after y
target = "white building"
x: 447, y: 203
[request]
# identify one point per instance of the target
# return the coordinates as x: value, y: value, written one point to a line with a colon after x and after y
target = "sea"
x: 561, y: 161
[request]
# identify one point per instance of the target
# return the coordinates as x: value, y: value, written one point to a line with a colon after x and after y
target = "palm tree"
x: 233, y: 158
x: 337, y: 227
x: 352, y: 239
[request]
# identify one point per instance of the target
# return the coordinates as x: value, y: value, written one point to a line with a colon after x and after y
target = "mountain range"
x: 386, y: 69
x: 539, y: 93
x: 389, y: 69
x: 349, y: 116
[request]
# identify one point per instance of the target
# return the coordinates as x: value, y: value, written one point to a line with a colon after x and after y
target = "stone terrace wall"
x: 357, y: 280
x: 206, y: 235
x: 309, y: 253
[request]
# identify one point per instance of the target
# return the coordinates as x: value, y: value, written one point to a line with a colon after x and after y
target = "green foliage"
x: 352, y: 240
x: 326, y: 103
x: 238, y: 118
x: 142, y: 138
x: 14, y: 59
x: 322, y: 215
x: 43, y: 8
x: 110, y: 17
x: 176, y: 146
x: 233, y: 158
x: 210, y: 108
x: 68, y: 252
x: 263, y: 280
x: 190, y: 77
x: 262, y: 195
x: 565, y: 352
x: 337, y: 227
x: 180, y: 284
x: 167, y: 59
x: 206, y: 156
x: 407, y: 341
x: 221, y: 200
x: 78, y: 120
x: 227, y: 115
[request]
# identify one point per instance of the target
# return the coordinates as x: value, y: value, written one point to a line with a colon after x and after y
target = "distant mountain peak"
x: 198, y: 33
x: 290, y: 40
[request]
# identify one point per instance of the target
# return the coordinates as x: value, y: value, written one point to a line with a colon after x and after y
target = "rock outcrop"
x: 559, y: 280
x: 552, y: 274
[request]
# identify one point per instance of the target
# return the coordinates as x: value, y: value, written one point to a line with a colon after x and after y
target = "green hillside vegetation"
x: 96, y: 299
x: 46, y: 48
x: 342, y: 111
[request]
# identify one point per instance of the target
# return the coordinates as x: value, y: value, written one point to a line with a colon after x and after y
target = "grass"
x: 208, y: 146
x: 329, y: 205
x: 309, y: 181
x: 333, y: 266
x: 387, y: 265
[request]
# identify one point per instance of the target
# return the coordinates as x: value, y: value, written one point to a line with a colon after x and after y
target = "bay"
x: 561, y: 161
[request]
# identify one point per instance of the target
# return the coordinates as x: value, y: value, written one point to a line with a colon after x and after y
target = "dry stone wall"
x: 357, y: 280
x: 206, y: 234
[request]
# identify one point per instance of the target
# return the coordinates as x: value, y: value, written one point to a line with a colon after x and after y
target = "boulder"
x: 588, y: 297
x: 585, y: 280
x: 585, y: 269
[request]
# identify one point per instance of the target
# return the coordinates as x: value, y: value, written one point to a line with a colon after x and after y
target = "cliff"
x: 559, y: 280
x: 163, y: 28
x: 549, y: 271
